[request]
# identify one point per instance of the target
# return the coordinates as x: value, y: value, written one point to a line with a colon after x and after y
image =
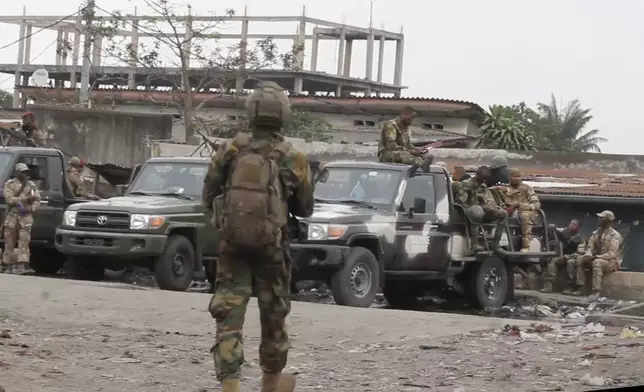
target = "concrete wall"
x: 103, y: 136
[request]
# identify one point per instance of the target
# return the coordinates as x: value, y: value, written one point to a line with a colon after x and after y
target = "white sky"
x: 488, y: 52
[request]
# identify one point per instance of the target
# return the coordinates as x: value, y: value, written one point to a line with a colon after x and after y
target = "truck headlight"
x: 69, y: 218
x: 143, y: 222
x: 317, y: 232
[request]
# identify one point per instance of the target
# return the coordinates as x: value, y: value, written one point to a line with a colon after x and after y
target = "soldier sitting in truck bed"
x: 473, y: 191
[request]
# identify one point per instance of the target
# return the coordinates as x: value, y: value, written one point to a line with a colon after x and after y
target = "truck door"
x: 420, y: 245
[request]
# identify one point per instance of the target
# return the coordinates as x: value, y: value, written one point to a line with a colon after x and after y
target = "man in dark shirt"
x: 500, y: 174
x: 573, y: 245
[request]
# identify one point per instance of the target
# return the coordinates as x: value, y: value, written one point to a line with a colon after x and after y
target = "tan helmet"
x: 75, y: 161
x: 268, y: 106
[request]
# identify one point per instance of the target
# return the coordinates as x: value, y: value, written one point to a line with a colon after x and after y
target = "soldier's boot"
x: 427, y: 163
x: 525, y: 244
x: 474, y: 244
x: 18, y: 269
x: 277, y: 382
x: 3, y: 268
x: 547, y: 287
x: 579, y: 292
x: 231, y: 385
x: 26, y: 266
x: 567, y: 291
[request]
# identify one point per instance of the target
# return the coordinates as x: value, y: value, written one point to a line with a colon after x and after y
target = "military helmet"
x: 498, y: 161
x: 475, y: 214
x: 268, y: 106
x: 75, y: 161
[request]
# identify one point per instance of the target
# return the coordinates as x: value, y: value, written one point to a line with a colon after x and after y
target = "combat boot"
x: 3, y: 268
x: 277, y: 382
x: 231, y: 385
x: 18, y: 269
x: 547, y: 288
x: 474, y: 245
x: 427, y: 163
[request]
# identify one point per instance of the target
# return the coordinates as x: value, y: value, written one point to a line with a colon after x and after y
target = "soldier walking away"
x: 30, y: 128
x: 395, y: 143
x: 75, y: 176
x: 473, y: 191
x: 253, y: 182
x: 573, y: 246
x: 522, y: 199
x: 603, y: 254
x: 23, y: 199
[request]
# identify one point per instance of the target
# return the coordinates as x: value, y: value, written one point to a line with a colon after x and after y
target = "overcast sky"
x: 488, y: 52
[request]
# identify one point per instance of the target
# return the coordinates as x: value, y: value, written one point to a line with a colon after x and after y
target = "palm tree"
x: 564, y: 130
x: 501, y: 129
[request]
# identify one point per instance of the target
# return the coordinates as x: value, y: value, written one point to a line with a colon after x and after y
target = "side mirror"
x: 121, y: 189
x: 410, y: 213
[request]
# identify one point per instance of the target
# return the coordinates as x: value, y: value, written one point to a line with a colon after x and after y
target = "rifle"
x: 205, y: 143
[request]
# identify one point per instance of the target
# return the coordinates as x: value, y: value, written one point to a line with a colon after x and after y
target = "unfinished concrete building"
x: 66, y: 70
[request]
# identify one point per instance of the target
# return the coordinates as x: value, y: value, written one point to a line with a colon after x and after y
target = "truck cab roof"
x: 179, y: 160
x: 379, y: 166
x: 30, y: 150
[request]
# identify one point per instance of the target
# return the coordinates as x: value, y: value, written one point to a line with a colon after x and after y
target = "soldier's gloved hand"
x: 32, y: 198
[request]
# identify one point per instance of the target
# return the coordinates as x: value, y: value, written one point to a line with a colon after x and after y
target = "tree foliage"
x: 518, y: 127
x: 6, y: 99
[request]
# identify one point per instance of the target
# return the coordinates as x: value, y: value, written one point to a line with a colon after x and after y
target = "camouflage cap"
x: 21, y: 168
x: 498, y: 161
x: 608, y: 215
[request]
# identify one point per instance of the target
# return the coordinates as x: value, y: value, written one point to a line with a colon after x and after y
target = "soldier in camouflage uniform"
x: 522, y: 199
x: 75, y: 176
x: 23, y: 199
x: 603, y: 254
x: 473, y: 191
x: 395, y: 143
x: 573, y: 246
x: 268, y: 268
x: 30, y: 128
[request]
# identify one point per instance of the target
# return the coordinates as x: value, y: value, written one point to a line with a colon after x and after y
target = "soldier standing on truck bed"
x: 395, y: 143
x: 23, y: 199
x: 521, y: 198
x: 30, y: 128
x: 75, y: 176
x: 252, y: 184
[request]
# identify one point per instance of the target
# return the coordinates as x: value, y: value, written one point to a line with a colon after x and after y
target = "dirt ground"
x: 59, y: 335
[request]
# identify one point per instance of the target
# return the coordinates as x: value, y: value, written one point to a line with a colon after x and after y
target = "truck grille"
x: 103, y: 220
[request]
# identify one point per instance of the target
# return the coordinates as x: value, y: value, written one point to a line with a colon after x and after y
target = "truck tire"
x: 401, y: 295
x: 488, y: 283
x: 176, y: 267
x: 356, y: 283
x: 46, y: 263
x: 84, y: 268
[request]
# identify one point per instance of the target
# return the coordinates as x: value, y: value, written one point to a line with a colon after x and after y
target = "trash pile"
x: 540, y: 333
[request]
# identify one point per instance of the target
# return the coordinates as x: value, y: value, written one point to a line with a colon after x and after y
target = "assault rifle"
x: 9, y: 134
x: 206, y: 144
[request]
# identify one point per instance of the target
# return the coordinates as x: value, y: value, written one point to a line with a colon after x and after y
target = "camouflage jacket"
x: 294, y: 171
x: 36, y: 136
x: 11, y: 189
x: 605, y: 245
x: 469, y: 193
x: 394, y: 137
x: 522, y: 195
x: 77, y: 182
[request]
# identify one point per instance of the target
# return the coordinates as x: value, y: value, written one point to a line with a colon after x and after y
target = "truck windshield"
x: 355, y: 184
x: 170, y: 178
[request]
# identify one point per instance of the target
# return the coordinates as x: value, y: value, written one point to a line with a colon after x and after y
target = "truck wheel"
x: 357, y: 283
x: 82, y: 268
x: 488, y: 283
x: 175, y: 268
x: 401, y: 295
x: 46, y: 263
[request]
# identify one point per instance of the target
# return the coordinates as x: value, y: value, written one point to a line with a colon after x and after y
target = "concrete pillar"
x: 27, y: 60
x: 314, y: 52
x: 97, y: 52
x: 59, y: 47
x: 76, y: 50
x: 21, y: 58
x: 348, y: 51
x: 301, y: 40
x: 381, y: 57
x: 338, y: 90
x: 243, y: 54
x: 343, y: 35
x: 134, y: 45
x: 370, y: 49
x: 298, y: 85
x: 400, y: 50
x: 64, y: 48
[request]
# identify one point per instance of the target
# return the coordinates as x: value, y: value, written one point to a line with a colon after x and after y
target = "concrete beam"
x: 369, y: 63
x: 348, y: 54
x: 381, y: 58
x: 314, y: 52
x: 398, y: 67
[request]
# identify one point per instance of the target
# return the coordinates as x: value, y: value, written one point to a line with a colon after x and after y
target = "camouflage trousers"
x: 400, y: 156
x: 527, y: 220
x: 237, y: 272
x: 565, y: 264
x: 599, y: 268
x: 17, y: 231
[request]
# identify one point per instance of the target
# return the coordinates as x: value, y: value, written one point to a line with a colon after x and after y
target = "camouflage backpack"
x: 252, y: 210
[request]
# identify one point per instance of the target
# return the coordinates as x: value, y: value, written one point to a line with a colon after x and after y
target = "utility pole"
x: 87, y: 51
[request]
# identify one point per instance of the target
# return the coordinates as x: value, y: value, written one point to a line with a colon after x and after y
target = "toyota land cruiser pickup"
x: 47, y: 171
x: 157, y: 223
x: 380, y: 225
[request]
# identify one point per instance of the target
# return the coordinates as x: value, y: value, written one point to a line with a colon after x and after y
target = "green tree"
x: 564, y: 128
x: 505, y: 128
x: 6, y: 99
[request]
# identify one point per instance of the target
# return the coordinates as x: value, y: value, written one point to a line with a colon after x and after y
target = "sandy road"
x: 80, y: 336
